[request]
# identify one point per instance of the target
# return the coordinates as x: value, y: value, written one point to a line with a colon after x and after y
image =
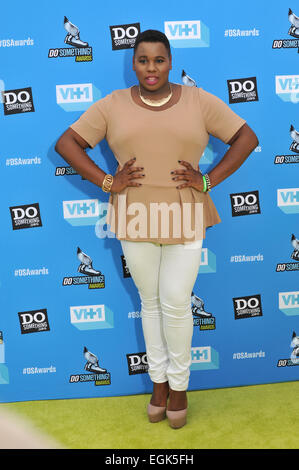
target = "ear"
x: 133, y: 62
x: 170, y: 62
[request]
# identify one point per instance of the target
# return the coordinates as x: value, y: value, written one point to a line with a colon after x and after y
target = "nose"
x: 151, y: 66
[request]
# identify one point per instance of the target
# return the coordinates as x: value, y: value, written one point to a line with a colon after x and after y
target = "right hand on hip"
x: 126, y: 176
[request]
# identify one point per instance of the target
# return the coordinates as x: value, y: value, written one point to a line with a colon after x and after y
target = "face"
x: 152, y: 65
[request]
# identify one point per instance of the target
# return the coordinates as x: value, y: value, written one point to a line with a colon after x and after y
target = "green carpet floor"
x: 254, y: 417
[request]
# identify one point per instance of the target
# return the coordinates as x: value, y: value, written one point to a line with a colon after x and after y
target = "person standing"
x: 157, y: 131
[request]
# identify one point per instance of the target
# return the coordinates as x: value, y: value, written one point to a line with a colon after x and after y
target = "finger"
x: 187, y: 164
x: 131, y: 161
x: 181, y: 177
x: 132, y: 183
x: 139, y: 175
x: 184, y: 185
x: 179, y: 172
x: 138, y: 168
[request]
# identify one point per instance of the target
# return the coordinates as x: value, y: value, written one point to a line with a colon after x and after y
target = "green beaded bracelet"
x: 204, y: 184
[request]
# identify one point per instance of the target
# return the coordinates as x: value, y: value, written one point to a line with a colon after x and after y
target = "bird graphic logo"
x: 94, y: 278
x: 73, y: 34
x: 295, y: 136
x: 295, y: 345
x: 198, y: 307
x: 293, y: 31
x: 294, y: 20
x: 86, y: 264
x: 295, y: 245
x: 92, y: 364
x: 188, y: 81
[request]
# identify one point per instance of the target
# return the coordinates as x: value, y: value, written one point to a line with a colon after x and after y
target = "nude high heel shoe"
x: 156, y: 413
x: 177, y: 419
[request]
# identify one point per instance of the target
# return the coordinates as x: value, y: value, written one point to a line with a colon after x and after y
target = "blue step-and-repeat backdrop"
x: 70, y: 321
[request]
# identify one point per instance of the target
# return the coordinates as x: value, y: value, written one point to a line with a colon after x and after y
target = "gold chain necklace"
x: 156, y: 102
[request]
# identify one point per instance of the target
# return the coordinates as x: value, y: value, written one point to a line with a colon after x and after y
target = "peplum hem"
x: 161, y: 214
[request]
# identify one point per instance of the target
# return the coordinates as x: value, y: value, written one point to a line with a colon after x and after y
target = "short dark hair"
x: 152, y: 35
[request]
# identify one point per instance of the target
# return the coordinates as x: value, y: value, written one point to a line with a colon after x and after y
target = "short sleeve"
x: 92, y: 124
x: 220, y: 120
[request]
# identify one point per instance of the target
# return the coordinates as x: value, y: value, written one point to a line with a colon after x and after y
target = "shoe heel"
x: 156, y: 413
x: 177, y: 419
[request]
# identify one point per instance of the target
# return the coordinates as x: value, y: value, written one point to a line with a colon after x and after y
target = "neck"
x: 155, y: 94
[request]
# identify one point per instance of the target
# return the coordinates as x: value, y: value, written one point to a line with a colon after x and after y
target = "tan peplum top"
x: 158, y: 139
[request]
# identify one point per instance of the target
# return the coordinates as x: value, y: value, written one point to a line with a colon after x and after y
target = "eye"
x: 142, y: 61
x: 160, y: 60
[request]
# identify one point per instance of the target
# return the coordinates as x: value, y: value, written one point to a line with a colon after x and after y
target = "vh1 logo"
x: 289, y: 302
x: 288, y: 200
x: 287, y: 88
x: 77, y: 97
x: 91, y: 317
x: 81, y: 212
x: 187, y: 33
x: 203, y: 358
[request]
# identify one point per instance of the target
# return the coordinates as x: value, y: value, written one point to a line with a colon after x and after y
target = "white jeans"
x: 164, y: 276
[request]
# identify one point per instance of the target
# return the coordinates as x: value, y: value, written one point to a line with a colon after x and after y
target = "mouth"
x: 151, y: 80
